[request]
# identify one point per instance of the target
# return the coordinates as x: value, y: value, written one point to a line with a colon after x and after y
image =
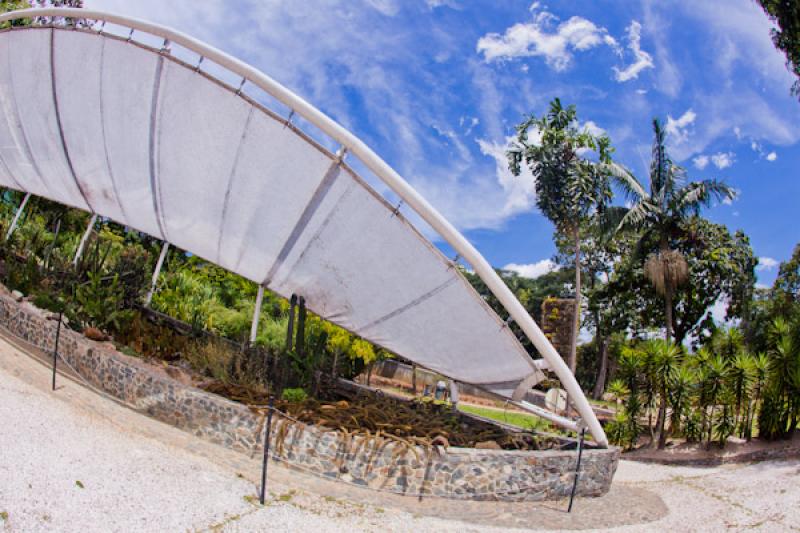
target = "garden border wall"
x: 457, y: 473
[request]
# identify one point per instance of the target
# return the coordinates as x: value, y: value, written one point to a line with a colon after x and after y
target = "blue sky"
x: 436, y: 87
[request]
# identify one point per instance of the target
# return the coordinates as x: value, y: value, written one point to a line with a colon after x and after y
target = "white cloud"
x: 642, y: 61
x: 723, y: 160
x: 766, y: 263
x: 678, y: 129
x: 385, y: 7
x: 772, y: 156
x: 719, y: 310
x: 700, y: 162
x: 433, y: 4
x: 520, y: 191
x: 738, y: 132
x: 740, y: 70
x: 540, y: 38
x: 593, y: 128
x: 532, y: 270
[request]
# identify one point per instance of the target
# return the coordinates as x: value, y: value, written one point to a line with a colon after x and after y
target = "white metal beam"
x: 85, y: 237
x: 156, y: 272
x: 13, y: 225
x: 256, y: 314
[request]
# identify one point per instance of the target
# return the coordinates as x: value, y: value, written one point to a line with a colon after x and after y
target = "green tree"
x: 660, y: 213
x: 570, y: 188
x: 786, y: 37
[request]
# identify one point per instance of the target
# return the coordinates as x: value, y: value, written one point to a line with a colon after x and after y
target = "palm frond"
x: 625, y: 179
x: 635, y: 216
x: 700, y: 193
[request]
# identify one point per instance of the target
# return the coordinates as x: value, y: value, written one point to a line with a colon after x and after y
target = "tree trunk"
x: 710, y: 427
x: 369, y: 373
x: 600, y: 382
x: 670, y: 331
x: 668, y: 312
x: 414, y: 378
x: 662, y: 419
x: 335, y: 367
x: 572, y: 361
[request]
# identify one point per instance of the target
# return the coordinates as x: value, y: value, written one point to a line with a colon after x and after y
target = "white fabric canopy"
x: 129, y: 132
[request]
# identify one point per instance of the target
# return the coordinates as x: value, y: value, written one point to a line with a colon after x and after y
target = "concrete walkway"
x: 72, y: 460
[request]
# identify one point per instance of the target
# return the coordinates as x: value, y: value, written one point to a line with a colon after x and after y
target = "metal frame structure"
x: 355, y: 147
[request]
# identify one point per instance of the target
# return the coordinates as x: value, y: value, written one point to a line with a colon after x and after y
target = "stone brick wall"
x: 557, y: 315
x: 456, y: 473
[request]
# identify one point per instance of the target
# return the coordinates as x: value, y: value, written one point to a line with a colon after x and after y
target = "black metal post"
x: 290, y: 331
x: 266, y: 451
x: 577, y: 470
x: 300, y: 343
x: 55, y: 350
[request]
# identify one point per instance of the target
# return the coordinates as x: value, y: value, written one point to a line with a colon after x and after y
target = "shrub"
x: 294, y: 395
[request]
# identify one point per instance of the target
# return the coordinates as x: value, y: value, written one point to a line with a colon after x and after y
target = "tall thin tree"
x: 568, y: 165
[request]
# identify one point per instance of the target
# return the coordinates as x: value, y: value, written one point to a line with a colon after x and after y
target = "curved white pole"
x: 153, y: 282
x: 379, y: 167
x: 13, y: 225
x: 82, y: 244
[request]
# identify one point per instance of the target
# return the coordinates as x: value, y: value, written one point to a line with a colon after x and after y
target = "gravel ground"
x: 71, y: 460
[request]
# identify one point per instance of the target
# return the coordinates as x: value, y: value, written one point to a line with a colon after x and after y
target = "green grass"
x: 514, y: 418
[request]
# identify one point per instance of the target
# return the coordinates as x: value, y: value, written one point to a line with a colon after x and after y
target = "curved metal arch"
x: 383, y: 171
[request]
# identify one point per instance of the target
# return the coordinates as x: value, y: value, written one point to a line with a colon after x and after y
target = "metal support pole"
x: 577, y: 470
x: 55, y: 349
x: 266, y: 451
x: 256, y: 315
x: 85, y: 237
x: 156, y: 272
x: 13, y: 225
x: 290, y: 329
x: 300, y: 343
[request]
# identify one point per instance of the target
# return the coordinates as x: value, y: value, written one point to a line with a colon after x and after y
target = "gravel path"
x: 74, y: 461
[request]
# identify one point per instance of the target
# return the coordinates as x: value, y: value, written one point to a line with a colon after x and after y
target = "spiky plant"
x: 680, y: 396
x: 665, y: 359
x: 760, y: 374
x: 740, y: 377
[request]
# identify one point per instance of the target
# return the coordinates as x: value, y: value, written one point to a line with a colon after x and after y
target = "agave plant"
x: 659, y: 214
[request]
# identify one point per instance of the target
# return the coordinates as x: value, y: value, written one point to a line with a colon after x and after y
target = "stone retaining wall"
x: 456, y: 473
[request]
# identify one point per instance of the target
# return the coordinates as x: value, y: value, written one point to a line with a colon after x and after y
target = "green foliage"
x: 786, y: 37
x: 660, y: 215
x: 295, y: 395
x: 780, y: 410
x: 569, y: 186
x: 100, y: 302
x: 623, y: 430
x: 571, y: 189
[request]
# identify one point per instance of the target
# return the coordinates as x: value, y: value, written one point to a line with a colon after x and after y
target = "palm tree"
x: 659, y: 215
